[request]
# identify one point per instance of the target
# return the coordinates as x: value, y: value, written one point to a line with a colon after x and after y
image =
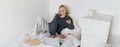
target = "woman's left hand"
x: 68, y: 21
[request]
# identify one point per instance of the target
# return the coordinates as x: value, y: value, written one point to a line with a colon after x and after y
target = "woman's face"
x: 62, y: 11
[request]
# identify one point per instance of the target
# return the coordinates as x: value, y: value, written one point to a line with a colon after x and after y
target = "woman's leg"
x: 58, y: 32
x: 52, y: 29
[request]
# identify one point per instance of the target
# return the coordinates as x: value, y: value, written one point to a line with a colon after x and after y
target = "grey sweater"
x: 58, y: 24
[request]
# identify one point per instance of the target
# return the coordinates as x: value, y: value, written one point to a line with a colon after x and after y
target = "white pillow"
x: 51, y: 41
x: 68, y: 43
x: 75, y: 22
x: 76, y: 32
x: 41, y: 25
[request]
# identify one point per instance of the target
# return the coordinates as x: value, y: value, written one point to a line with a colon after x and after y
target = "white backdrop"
x: 18, y: 17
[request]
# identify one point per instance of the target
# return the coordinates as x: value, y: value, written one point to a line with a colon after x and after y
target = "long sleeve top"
x: 58, y: 24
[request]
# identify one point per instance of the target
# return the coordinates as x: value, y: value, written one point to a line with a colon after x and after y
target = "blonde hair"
x: 66, y: 8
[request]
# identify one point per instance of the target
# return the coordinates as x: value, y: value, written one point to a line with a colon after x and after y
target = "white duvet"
x: 42, y: 26
x: 20, y: 43
x: 69, y: 41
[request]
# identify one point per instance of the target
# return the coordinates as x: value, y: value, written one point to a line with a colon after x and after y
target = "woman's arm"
x: 70, y: 24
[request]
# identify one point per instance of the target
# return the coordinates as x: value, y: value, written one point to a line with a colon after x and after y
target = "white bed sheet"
x: 20, y: 43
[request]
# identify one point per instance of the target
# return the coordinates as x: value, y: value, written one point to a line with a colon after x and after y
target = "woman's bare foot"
x: 52, y: 36
x: 62, y: 36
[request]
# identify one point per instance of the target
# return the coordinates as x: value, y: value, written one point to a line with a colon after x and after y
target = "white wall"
x: 18, y: 17
x: 79, y: 8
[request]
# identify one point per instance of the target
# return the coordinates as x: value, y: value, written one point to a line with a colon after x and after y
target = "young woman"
x: 61, y: 21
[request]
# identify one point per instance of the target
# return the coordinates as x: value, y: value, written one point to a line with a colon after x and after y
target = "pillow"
x: 76, y: 32
x: 68, y: 43
x: 41, y: 25
x: 75, y: 22
x: 51, y: 41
